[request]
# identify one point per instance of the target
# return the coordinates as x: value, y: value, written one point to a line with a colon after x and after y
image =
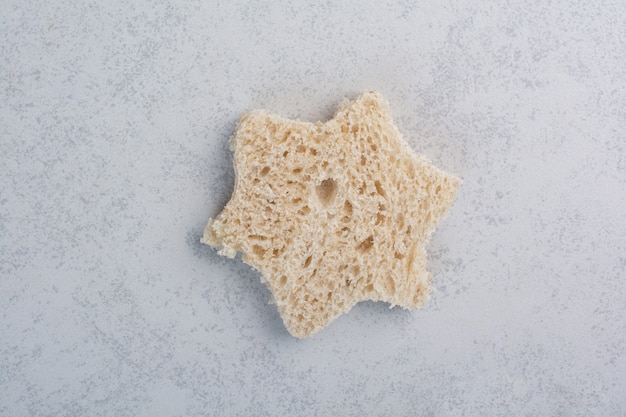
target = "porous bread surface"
x: 332, y: 213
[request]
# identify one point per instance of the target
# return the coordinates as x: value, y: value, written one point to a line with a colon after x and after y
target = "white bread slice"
x: 332, y: 213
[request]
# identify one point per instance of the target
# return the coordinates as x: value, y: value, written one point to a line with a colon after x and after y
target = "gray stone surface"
x: 114, y: 126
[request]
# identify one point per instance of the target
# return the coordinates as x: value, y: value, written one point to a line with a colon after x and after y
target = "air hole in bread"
x: 347, y: 208
x: 326, y: 191
x: 265, y: 171
x: 400, y: 221
x: 304, y: 211
x: 398, y: 255
x: 301, y: 148
x: 297, y: 170
x: 363, y: 160
x: 258, y: 251
x: 313, y: 151
x: 355, y: 270
x: 285, y: 154
x: 379, y: 189
x: 307, y: 262
x: 366, y: 245
x: 438, y: 189
x: 283, y: 281
x: 380, y: 218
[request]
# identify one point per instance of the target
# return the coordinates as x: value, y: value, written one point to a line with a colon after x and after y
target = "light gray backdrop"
x: 114, y: 127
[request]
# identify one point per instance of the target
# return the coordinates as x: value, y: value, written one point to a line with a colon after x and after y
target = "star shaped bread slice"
x: 332, y: 213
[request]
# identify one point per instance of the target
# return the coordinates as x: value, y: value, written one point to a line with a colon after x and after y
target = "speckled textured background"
x: 114, y: 127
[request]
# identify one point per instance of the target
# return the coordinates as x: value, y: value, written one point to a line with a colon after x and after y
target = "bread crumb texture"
x: 332, y: 213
